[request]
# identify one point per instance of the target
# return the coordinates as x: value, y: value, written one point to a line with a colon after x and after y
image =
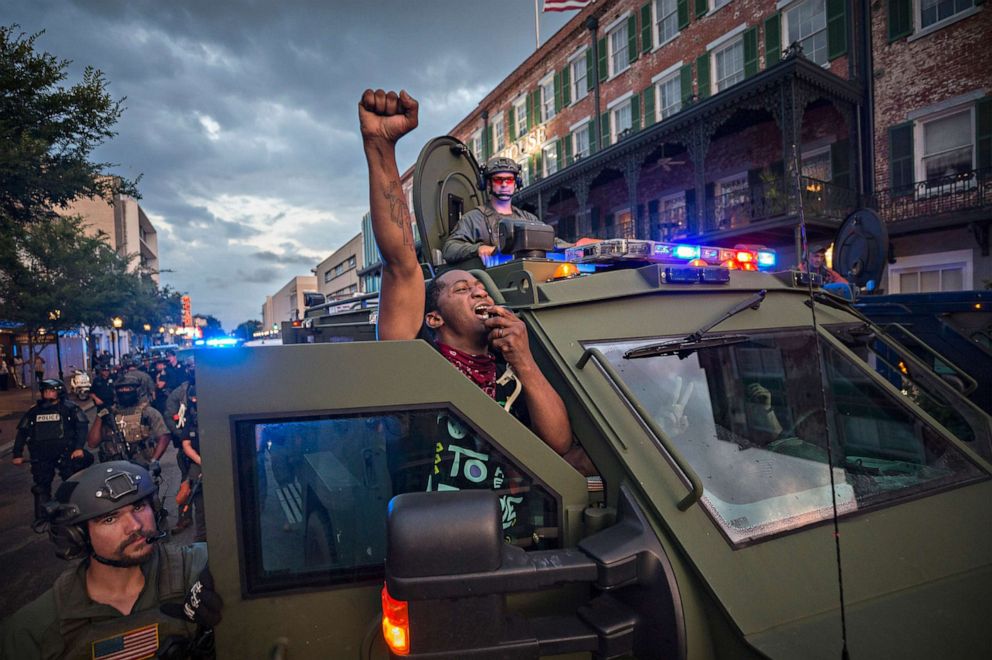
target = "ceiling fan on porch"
x: 667, y: 163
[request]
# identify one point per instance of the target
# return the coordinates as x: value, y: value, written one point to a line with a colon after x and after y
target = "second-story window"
x: 520, y: 117
x: 550, y: 158
x: 620, y: 119
x: 580, y: 141
x: 948, y: 146
x: 547, y: 98
x: 475, y: 144
x: 618, y: 45
x: 806, y: 22
x: 666, y: 14
x: 580, y: 80
x: 935, y: 11
x: 728, y: 62
x: 669, y: 96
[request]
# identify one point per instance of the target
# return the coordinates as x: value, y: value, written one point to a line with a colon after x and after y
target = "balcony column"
x: 631, y: 174
x: 582, y: 224
x: 697, y: 145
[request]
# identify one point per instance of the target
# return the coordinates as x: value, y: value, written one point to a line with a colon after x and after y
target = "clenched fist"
x: 386, y: 115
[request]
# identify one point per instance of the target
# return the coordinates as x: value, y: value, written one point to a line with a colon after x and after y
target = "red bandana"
x: 481, y: 369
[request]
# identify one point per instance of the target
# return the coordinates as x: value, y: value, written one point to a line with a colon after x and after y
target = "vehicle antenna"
x: 823, y: 393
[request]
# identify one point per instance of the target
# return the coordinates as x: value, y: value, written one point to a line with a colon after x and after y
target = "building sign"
x: 527, y: 145
x: 187, y: 312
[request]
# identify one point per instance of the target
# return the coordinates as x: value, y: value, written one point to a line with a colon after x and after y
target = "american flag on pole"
x: 133, y: 645
x: 564, y: 5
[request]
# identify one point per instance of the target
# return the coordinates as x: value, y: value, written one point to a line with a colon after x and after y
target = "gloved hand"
x: 154, y: 468
x: 203, y: 605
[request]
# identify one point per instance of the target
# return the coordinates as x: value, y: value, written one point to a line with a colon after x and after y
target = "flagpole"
x: 537, y: 27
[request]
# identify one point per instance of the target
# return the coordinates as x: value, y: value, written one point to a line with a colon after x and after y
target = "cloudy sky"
x: 242, y: 115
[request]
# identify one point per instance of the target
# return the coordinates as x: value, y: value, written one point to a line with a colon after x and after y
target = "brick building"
x: 338, y: 276
x: 679, y: 119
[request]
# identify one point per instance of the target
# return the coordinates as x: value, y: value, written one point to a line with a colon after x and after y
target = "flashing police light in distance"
x: 217, y: 342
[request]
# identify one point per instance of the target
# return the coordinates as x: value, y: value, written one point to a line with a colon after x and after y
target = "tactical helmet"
x: 125, y: 385
x: 96, y: 491
x: 498, y: 164
x: 128, y: 380
x: 53, y: 384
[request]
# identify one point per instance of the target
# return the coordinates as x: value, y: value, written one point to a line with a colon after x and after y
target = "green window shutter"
x: 773, y: 40
x: 537, y: 106
x: 983, y: 134
x: 530, y: 167
x: 900, y: 19
x: 648, y: 95
x: 489, y: 141
x: 592, y: 136
x: 590, y: 70
x: 539, y: 165
x: 566, y: 86
x: 635, y: 113
x: 685, y: 82
x: 568, y: 149
x: 683, y: 11
x: 604, y: 128
x: 751, y: 52
x: 836, y: 28
x: 901, y: 159
x: 557, y: 86
x: 603, y: 69
x: 646, y: 41
x: 560, y: 153
x: 530, y: 111
x: 702, y: 6
x: 703, y: 75
x: 840, y: 163
x: 513, y: 123
x: 632, y: 38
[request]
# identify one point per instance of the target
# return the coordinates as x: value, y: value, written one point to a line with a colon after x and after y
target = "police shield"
x: 445, y: 185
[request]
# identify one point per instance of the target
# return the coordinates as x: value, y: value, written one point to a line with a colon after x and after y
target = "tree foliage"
x: 247, y: 329
x: 48, y: 132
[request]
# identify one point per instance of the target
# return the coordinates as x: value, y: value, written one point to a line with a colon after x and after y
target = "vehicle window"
x: 891, y: 360
x: 314, y: 491
x: 750, y: 419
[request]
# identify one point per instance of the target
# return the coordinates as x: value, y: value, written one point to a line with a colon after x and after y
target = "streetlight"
x: 55, y: 315
x: 115, y: 337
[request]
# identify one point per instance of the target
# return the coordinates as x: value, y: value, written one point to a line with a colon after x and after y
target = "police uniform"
x: 139, y: 427
x: 65, y: 623
x: 51, y: 432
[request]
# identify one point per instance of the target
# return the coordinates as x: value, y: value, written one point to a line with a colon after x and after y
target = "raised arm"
x: 384, y: 119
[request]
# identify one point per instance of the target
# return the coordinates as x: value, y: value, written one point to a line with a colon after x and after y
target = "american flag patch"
x: 132, y: 645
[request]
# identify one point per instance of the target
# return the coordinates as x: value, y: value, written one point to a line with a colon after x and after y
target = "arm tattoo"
x: 398, y: 213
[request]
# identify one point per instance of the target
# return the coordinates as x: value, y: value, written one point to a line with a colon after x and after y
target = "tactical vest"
x: 130, y: 424
x: 86, y: 639
x: 49, y: 426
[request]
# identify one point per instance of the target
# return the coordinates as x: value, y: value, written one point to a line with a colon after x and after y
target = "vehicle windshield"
x: 896, y: 364
x: 751, y: 419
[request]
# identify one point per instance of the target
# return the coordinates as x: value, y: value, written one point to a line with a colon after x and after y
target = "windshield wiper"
x: 696, y: 340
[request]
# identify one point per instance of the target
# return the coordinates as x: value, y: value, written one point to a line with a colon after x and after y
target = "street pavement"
x: 29, y: 561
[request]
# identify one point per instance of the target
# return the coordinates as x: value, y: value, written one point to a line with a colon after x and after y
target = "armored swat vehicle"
x: 760, y: 489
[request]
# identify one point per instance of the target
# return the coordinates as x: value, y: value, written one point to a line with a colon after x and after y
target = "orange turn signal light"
x: 698, y: 263
x: 730, y: 264
x: 395, y: 624
x: 749, y: 265
x: 564, y: 271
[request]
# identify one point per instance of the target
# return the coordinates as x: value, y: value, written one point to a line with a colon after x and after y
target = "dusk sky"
x: 242, y: 116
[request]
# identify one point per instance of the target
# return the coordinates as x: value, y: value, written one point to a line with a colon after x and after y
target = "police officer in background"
x: 131, y: 429
x: 54, y: 431
x: 131, y: 595
x: 474, y: 237
x: 180, y: 413
x: 102, y: 390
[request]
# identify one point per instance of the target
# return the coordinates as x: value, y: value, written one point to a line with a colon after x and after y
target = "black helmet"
x: 126, y: 389
x: 91, y: 493
x: 53, y: 384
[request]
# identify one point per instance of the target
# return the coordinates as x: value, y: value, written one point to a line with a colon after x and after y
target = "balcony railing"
x: 965, y: 191
x: 770, y: 199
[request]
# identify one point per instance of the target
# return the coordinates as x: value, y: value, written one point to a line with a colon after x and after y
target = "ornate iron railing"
x: 772, y: 198
x: 966, y: 191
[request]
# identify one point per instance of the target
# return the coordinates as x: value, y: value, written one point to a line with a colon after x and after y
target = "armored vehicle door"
x: 301, y: 465
x: 445, y: 186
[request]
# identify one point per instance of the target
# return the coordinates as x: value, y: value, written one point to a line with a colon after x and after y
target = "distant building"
x: 338, y: 275
x: 287, y: 303
x: 711, y: 120
x: 371, y: 273
x: 126, y: 226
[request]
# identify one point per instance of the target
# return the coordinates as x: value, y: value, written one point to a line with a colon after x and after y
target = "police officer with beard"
x: 54, y: 431
x: 131, y: 429
x: 131, y: 595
